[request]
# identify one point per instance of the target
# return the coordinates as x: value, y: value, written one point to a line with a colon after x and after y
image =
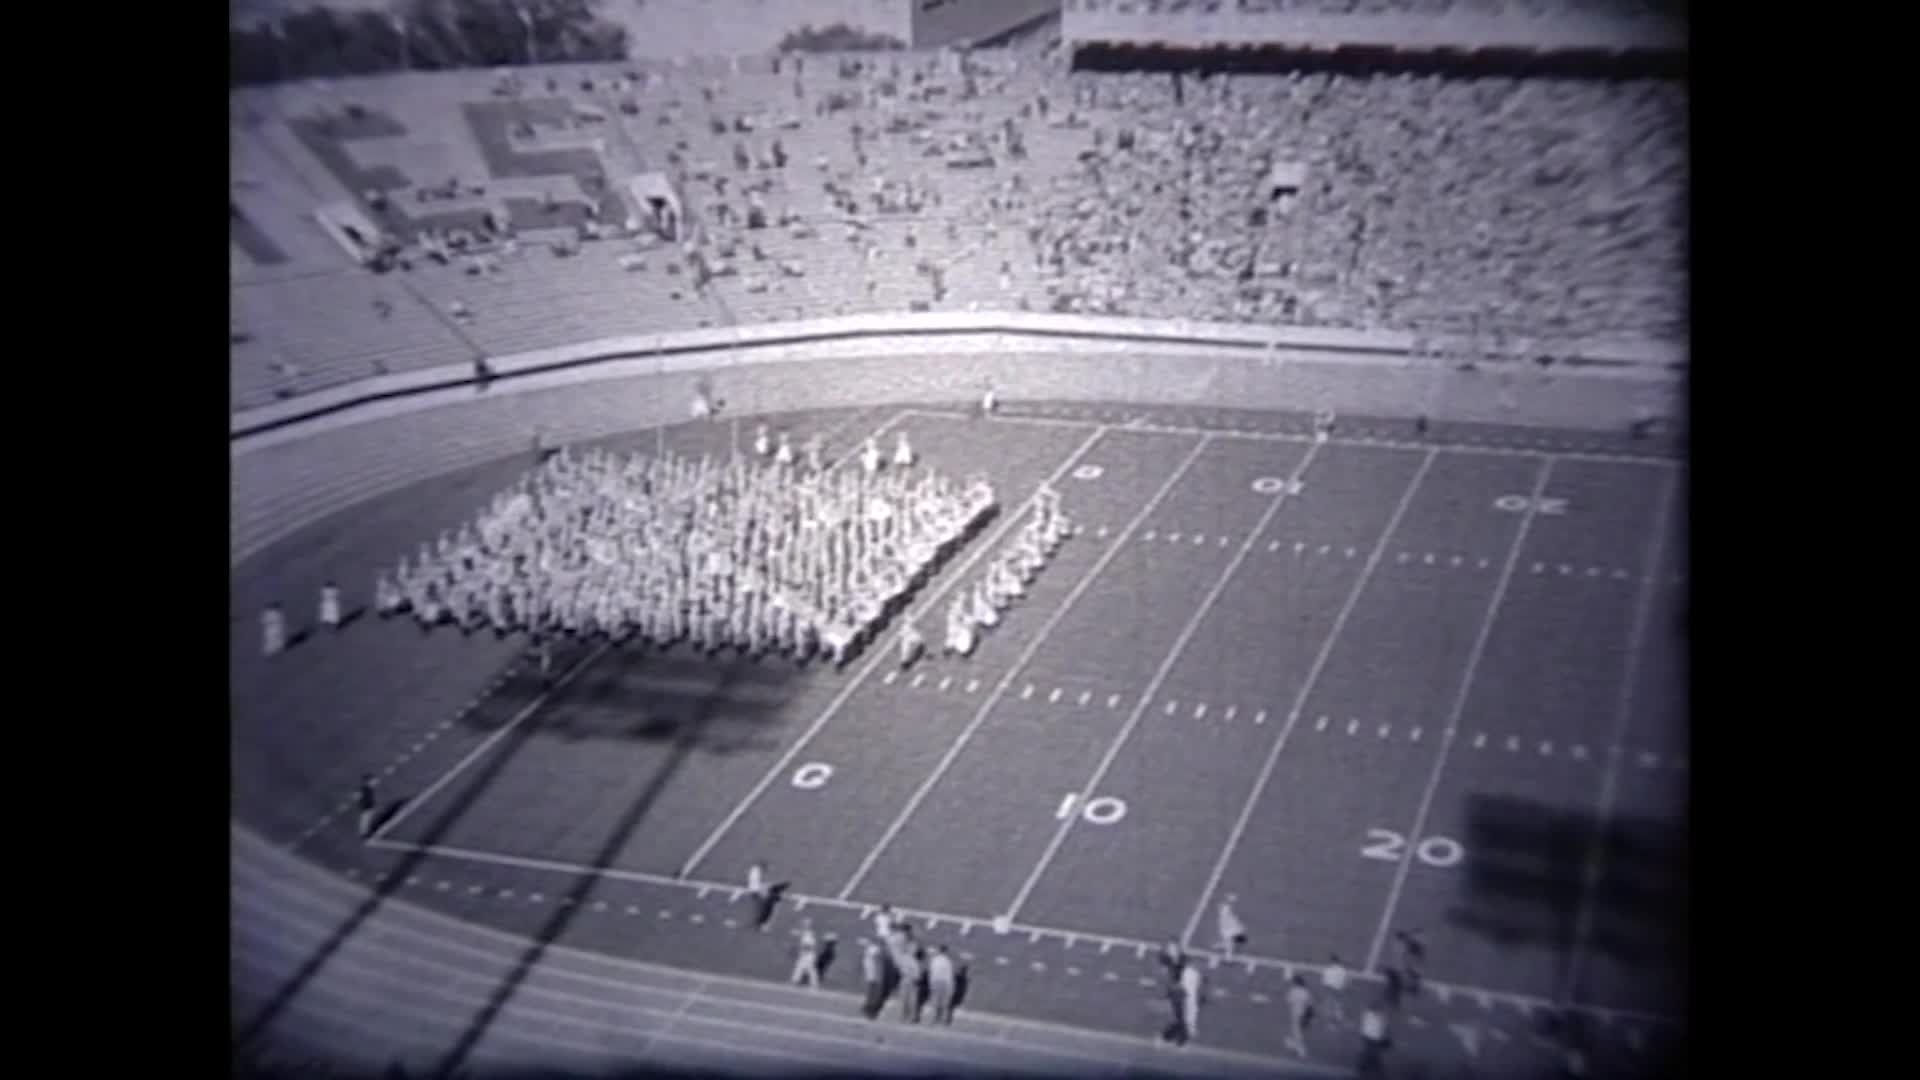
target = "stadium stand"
x: 834, y: 184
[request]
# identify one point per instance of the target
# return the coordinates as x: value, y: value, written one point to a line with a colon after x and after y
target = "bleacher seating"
x: 1518, y: 210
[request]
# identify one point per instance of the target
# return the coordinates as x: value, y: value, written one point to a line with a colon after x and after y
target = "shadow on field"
x: 1525, y: 885
x: 641, y: 693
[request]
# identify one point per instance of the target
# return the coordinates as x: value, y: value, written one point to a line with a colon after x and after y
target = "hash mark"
x: 1053, y: 697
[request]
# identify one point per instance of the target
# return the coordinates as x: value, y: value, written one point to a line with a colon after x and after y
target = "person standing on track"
x: 906, y: 960
x: 1232, y: 932
x: 874, y: 974
x: 941, y: 982
x: 1300, y: 1011
x: 806, y: 960
x: 1334, y: 981
x: 368, y: 803
x: 1373, y: 1042
x: 1190, y: 993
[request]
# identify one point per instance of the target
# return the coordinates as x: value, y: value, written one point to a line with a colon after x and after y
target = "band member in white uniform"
x: 816, y: 454
x: 870, y: 456
x: 911, y: 644
x: 273, y: 631
x: 989, y: 401
x: 902, y: 453
x: 784, y: 455
x: 330, y: 606
x: 762, y: 443
x: 959, y: 630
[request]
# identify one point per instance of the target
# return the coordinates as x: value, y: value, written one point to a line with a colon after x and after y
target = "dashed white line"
x: 1353, y: 726
x: 1171, y: 706
x: 1579, y: 752
x: 1273, y: 545
x: 972, y: 685
x: 1223, y: 541
x: 1513, y: 743
x: 1565, y: 569
x: 1455, y: 561
x: 1320, y: 724
x: 1384, y: 728
x: 1546, y: 749
x: 1054, y: 697
x: 1402, y: 558
x: 1537, y: 567
x: 918, y: 680
x: 1199, y: 710
x: 1414, y: 734
x: 1026, y: 692
x: 946, y: 682
x: 1148, y: 535
x: 1479, y: 740
x: 1231, y: 709
x: 1113, y: 701
x: 1260, y: 717
x: 1649, y: 759
x: 1351, y: 553
x: 1427, y: 558
x: 1173, y: 538
x: 1085, y: 696
x: 1299, y: 546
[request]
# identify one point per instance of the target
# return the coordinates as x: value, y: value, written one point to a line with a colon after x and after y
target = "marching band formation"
x: 755, y: 553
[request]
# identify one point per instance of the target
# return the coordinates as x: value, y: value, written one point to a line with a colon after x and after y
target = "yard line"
x: 1453, y: 717
x: 1623, y: 713
x: 1600, y: 456
x: 1300, y: 697
x: 489, y: 742
x: 1026, y: 656
x: 1160, y: 676
x: 880, y: 655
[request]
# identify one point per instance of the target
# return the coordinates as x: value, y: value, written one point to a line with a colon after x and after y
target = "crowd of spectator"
x: 1517, y: 210
x: 1544, y: 8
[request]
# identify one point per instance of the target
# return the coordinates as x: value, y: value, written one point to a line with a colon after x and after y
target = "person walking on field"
x: 1233, y: 932
x: 1190, y: 984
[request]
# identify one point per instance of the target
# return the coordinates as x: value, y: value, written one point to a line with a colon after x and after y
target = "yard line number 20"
x: 1440, y: 852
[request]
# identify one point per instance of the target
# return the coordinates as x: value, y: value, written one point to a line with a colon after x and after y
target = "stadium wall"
x: 299, y: 461
x: 676, y: 29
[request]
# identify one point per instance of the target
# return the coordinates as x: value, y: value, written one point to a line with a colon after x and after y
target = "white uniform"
x: 330, y: 607
x: 762, y: 444
x: 902, y: 453
x: 870, y: 457
x: 273, y: 632
x: 989, y: 402
x: 784, y: 455
x: 1190, y: 999
x: 911, y: 644
x: 806, y: 962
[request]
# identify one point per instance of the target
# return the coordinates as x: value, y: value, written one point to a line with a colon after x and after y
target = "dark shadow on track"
x: 686, y: 738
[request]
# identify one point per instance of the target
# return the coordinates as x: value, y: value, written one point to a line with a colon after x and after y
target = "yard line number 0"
x: 1441, y: 852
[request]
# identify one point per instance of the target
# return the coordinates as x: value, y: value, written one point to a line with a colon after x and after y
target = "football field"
x: 1361, y: 685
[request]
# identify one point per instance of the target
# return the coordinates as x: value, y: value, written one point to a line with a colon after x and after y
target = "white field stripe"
x: 1006, y: 680
x: 1623, y: 714
x: 1334, y: 440
x: 1160, y: 676
x: 881, y: 650
x: 1300, y: 698
x: 1453, y: 719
